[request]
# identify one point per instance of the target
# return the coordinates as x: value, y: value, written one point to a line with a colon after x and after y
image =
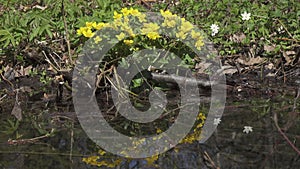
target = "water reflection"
x: 229, y: 147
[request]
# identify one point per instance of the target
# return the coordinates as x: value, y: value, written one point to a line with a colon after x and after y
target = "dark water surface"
x: 229, y: 147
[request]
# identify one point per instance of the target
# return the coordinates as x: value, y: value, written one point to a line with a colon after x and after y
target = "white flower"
x: 217, y: 121
x: 280, y: 29
x: 215, y: 29
x: 247, y: 129
x: 246, y: 16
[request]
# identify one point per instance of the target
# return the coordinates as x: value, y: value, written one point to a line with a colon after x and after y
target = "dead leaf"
x: 269, y: 48
x: 270, y: 66
x: 17, y: 111
x: 23, y: 71
x: 290, y: 52
x: 286, y: 57
x: 25, y: 89
x: 229, y: 70
x: 9, y: 73
x: 238, y: 38
x: 202, y: 66
x: 251, y: 61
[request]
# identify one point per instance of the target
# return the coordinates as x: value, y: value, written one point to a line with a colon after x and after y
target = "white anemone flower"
x: 246, y: 16
x: 217, y: 121
x: 247, y: 129
x: 215, y: 29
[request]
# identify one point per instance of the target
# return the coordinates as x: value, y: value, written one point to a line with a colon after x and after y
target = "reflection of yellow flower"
x: 117, y: 15
x: 152, y: 159
x: 128, y: 42
x: 158, y: 131
x: 101, y: 152
x: 153, y: 35
x: 121, y: 36
x: 201, y: 117
x: 97, y: 39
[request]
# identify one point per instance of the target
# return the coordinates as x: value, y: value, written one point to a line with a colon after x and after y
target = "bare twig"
x: 283, y: 134
x: 30, y: 140
x: 66, y: 31
x: 183, y: 80
x: 209, y: 160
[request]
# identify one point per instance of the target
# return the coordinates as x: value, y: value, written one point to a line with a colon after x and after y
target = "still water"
x: 53, y: 138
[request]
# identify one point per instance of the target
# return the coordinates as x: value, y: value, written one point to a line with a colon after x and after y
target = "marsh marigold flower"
x: 153, y: 35
x: 117, y: 15
x: 121, y: 36
x: 88, y: 33
x: 128, y: 42
x: 97, y: 39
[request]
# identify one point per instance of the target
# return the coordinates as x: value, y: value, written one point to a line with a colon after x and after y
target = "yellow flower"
x: 90, y: 24
x: 166, y: 13
x: 153, y: 35
x: 149, y: 27
x: 97, y: 39
x: 128, y: 42
x: 117, y: 15
x: 169, y: 23
x: 88, y: 33
x: 195, y: 35
x: 100, y: 25
x: 79, y: 32
x: 121, y: 36
x: 186, y: 26
x: 141, y: 17
x: 181, y: 35
x: 198, y: 45
x: 134, y: 12
x: 125, y: 11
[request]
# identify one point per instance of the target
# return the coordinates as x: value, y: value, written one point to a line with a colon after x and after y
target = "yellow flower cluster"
x: 94, y: 160
x: 152, y: 159
x: 184, y: 28
x: 197, y: 131
x: 87, y: 30
x: 121, y: 23
x: 151, y: 30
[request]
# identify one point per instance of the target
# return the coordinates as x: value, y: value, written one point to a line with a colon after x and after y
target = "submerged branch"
x: 183, y: 80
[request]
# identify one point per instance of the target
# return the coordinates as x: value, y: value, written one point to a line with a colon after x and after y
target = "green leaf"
x: 137, y: 82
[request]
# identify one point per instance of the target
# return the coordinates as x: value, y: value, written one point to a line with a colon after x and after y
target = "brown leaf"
x: 238, y: 38
x: 23, y: 71
x: 251, y: 61
x: 269, y: 48
x: 229, y: 70
x: 17, y: 111
x: 286, y: 57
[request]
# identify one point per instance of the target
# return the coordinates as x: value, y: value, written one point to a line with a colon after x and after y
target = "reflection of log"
x: 182, y: 80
